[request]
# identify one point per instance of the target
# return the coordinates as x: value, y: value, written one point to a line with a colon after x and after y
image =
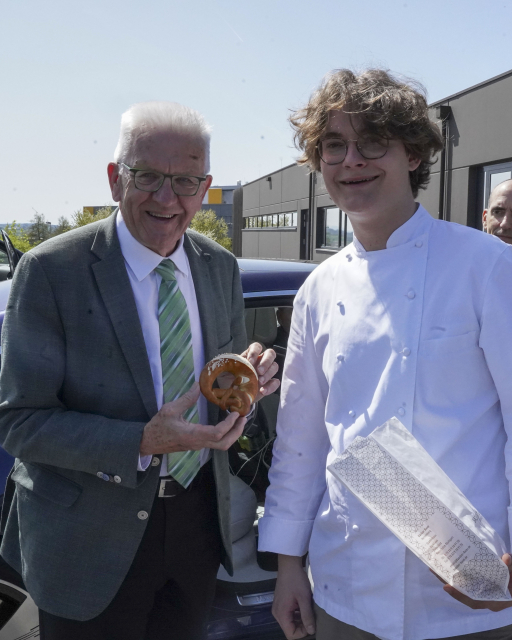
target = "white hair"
x: 160, y: 115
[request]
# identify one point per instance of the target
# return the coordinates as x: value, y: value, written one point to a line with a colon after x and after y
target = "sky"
x: 69, y: 69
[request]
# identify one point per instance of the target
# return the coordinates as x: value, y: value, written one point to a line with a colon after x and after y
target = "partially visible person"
x: 408, y: 320
x: 118, y: 514
x: 284, y: 318
x: 497, y: 218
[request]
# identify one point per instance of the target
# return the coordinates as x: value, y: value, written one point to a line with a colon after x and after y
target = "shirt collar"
x: 413, y: 228
x: 141, y: 260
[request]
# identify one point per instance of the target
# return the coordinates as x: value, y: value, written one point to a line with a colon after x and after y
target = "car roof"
x: 266, y: 275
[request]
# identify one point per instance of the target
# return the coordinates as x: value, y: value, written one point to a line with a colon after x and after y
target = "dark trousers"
x: 329, y: 628
x: 170, y: 585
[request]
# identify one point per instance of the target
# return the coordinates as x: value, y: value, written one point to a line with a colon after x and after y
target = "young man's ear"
x: 414, y: 163
x: 114, y: 180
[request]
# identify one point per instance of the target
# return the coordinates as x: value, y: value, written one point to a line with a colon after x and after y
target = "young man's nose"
x: 353, y: 157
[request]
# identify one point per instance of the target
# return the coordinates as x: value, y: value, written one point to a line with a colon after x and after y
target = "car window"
x: 250, y: 457
x: 5, y: 269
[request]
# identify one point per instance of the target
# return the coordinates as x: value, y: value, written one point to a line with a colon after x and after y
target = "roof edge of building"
x: 472, y: 88
x: 293, y: 164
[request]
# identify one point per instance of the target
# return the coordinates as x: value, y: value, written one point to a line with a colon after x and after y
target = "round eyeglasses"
x: 334, y: 150
x: 149, y: 180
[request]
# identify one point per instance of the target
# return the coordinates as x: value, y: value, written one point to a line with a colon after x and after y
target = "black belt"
x: 170, y: 488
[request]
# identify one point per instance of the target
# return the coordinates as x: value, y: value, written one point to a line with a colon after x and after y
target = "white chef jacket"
x: 421, y: 330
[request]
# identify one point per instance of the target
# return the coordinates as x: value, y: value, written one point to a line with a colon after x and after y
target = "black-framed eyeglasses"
x: 149, y: 180
x: 334, y: 150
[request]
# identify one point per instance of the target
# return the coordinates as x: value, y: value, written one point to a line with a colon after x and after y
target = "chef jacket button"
x: 411, y: 294
x: 349, y: 257
x: 142, y: 515
x: 419, y: 244
x: 406, y: 351
x: 155, y: 462
x: 340, y: 357
x: 100, y: 475
x: 351, y: 413
x: 340, y: 303
x: 355, y: 528
x: 117, y: 479
x: 401, y: 411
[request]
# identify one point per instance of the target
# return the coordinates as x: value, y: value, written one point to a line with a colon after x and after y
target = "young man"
x: 408, y: 320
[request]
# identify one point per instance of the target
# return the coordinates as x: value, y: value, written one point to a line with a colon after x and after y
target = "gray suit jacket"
x: 76, y: 392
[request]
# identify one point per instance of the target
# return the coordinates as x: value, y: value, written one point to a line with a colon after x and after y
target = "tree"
x: 63, y: 225
x: 39, y: 231
x: 207, y: 223
x: 18, y: 236
x: 81, y: 218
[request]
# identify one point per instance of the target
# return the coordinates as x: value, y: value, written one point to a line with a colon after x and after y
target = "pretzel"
x: 240, y: 396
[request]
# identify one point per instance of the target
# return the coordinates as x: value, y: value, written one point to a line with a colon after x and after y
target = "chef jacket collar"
x: 141, y: 260
x: 413, y: 228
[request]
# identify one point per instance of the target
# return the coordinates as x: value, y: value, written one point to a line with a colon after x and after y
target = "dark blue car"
x: 242, y: 607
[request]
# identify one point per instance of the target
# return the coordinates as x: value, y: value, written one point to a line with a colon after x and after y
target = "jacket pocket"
x: 450, y: 345
x: 226, y: 348
x: 46, y: 484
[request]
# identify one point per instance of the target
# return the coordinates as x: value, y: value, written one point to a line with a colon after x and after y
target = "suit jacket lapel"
x: 199, y: 266
x: 116, y: 292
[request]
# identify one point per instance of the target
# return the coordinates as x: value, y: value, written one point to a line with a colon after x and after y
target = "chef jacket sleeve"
x: 298, y: 472
x: 496, y: 342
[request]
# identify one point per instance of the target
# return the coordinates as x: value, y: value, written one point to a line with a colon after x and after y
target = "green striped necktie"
x: 177, y: 363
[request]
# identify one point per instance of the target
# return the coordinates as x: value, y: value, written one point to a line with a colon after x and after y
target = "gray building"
x: 289, y: 214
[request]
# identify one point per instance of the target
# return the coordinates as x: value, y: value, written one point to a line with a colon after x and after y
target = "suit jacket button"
x: 100, y: 474
x: 117, y: 479
x: 142, y: 515
x: 105, y: 477
x: 155, y: 462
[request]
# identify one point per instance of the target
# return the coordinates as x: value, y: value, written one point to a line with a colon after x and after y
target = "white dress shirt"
x: 421, y: 330
x: 140, y: 265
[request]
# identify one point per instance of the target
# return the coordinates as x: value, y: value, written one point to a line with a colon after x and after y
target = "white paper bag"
x: 392, y: 475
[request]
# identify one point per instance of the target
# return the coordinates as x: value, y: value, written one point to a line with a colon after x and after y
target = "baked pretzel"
x: 240, y: 396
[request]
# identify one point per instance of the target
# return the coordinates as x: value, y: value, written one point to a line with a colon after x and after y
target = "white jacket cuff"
x: 289, y: 537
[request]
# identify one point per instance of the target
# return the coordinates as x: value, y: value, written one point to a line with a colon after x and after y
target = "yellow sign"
x: 215, y: 196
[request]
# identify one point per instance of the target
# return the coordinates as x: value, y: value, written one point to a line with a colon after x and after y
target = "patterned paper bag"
x: 394, y: 477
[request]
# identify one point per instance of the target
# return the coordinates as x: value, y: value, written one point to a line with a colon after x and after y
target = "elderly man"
x: 497, y: 218
x: 120, y: 513
x: 408, y: 321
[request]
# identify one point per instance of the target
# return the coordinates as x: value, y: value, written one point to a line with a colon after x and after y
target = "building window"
x: 334, y: 230
x: 494, y: 175
x: 272, y: 221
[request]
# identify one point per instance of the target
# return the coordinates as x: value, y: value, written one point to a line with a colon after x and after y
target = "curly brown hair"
x: 385, y: 107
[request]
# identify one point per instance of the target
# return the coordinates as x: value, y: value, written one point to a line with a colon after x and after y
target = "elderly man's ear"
x: 114, y: 180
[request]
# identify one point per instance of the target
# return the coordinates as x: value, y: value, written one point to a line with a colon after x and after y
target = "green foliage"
x: 39, y: 231
x: 207, y: 223
x: 63, y: 225
x: 81, y: 218
x: 18, y: 236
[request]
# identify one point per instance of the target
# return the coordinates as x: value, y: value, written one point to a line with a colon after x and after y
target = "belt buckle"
x: 169, y: 488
